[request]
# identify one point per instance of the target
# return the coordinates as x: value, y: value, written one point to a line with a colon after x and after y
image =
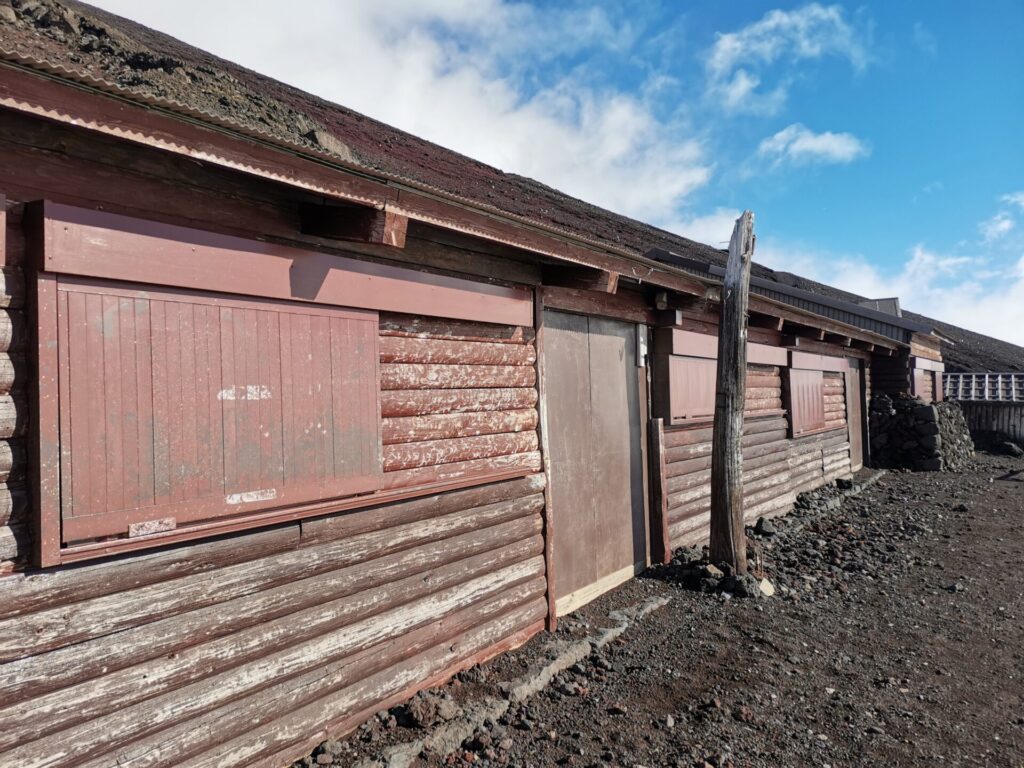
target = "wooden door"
x: 855, y: 410
x: 595, y: 444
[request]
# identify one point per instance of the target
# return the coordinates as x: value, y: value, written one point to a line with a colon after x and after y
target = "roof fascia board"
x: 800, y: 293
x: 768, y: 306
x: 61, y: 98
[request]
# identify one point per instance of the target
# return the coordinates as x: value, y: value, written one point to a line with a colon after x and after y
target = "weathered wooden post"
x: 728, y: 540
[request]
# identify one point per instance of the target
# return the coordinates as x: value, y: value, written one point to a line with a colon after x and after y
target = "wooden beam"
x: 628, y: 305
x: 531, y: 237
x: 354, y: 223
x: 759, y: 320
x: 601, y: 280
x: 807, y: 320
x: 728, y: 541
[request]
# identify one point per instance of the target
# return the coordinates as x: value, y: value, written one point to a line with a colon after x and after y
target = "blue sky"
x: 878, y: 144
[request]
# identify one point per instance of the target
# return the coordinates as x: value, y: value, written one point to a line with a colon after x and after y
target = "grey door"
x: 596, y: 455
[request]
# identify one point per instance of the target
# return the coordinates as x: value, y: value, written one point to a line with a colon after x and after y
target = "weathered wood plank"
x: 30, y: 678
x: 12, y: 461
x: 518, y: 462
x: 322, y: 701
x: 13, y: 505
x: 624, y: 305
x: 13, y: 331
x: 24, y: 593
x: 416, y: 428
x: 12, y: 284
x: 403, y: 349
x: 682, y: 453
x: 346, y: 602
x: 414, y: 376
x: 335, y: 527
x: 428, y: 453
x: 56, y: 627
x: 13, y: 372
x: 126, y: 724
x: 422, y: 402
x: 392, y: 324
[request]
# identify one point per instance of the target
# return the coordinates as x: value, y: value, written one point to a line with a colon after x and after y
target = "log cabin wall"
x: 250, y: 648
x: 457, y: 399
x: 776, y: 466
x: 15, y: 526
x: 232, y: 651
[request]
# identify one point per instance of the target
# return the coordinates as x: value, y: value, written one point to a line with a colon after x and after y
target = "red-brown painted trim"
x: 45, y: 429
x: 3, y: 229
x: 215, y: 528
x: 806, y: 361
x: 551, y: 622
x: 97, y: 244
x: 694, y: 344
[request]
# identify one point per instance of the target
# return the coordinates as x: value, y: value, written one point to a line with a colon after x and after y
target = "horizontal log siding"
x: 230, y: 651
x: 458, y: 399
x: 775, y: 468
x: 15, y: 530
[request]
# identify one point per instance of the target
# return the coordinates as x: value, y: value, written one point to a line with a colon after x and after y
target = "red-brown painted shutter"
x: 692, y: 385
x: 181, y: 407
x: 806, y: 401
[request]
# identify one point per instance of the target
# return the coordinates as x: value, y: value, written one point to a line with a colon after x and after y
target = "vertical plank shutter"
x: 692, y: 383
x: 807, y: 401
x: 177, y: 406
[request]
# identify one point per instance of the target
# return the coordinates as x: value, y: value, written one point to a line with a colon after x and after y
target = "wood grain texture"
x: 432, y: 452
x: 421, y: 402
x: 438, y: 426
x: 428, y: 376
x: 399, y: 349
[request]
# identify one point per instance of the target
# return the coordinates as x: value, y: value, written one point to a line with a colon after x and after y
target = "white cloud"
x: 997, y: 227
x: 1014, y: 198
x: 957, y: 289
x: 737, y: 62
x: 465, y: 74
x: 923, y: 38
x: 798, y: 145
x: 713, y: 228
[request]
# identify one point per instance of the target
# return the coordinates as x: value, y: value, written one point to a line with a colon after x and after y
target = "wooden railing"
x: 1002, y: 387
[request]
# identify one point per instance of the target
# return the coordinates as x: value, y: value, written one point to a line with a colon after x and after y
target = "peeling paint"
x: 247, y: 497
x: 246, y: 392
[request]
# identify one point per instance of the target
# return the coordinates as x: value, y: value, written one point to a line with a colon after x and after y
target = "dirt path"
x: 896, y: 638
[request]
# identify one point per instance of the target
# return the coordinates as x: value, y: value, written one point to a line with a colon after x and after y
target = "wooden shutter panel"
x: 806, y: 401
x: 177, y: 406
x: 692, y: 387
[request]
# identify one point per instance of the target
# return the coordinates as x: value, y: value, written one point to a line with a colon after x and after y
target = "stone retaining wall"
x: 906, y: 433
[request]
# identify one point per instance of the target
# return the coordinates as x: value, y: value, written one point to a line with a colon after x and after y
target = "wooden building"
x: 289, y: 435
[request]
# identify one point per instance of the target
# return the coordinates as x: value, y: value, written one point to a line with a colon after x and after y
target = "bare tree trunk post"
x: 728, y: 539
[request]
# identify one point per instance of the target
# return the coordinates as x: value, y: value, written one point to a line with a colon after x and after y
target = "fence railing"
x: 999, y: 387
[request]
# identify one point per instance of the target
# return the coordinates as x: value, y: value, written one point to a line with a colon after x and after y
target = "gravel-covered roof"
x: 91, y: 43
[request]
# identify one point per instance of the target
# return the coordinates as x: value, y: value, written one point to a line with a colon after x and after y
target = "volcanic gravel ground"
x: 895, y: 638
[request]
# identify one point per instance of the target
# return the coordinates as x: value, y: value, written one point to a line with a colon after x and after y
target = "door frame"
x: 648, y: 487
